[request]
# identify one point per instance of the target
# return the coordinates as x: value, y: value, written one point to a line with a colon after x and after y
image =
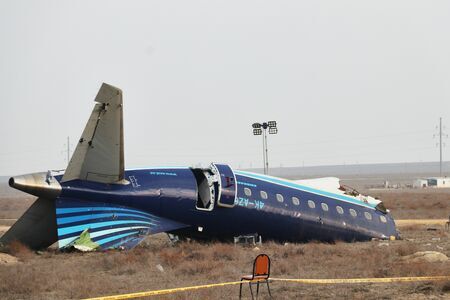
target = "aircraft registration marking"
x: 245, y: 202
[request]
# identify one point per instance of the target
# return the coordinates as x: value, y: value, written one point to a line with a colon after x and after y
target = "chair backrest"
x: 261, y: 266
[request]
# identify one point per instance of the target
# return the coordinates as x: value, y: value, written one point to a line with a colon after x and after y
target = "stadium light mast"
x: 261, y: 129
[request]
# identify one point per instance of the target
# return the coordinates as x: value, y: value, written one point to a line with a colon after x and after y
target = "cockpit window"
x: 380, y: 206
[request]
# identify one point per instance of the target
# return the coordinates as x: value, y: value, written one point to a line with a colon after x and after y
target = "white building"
x: 433, y: 182
x: 439, y: 182
x: 420, y: 183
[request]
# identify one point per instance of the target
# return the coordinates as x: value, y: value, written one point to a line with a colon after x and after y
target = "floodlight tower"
x: 261, y: 129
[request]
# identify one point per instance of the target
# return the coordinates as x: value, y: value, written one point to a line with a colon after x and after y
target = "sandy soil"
x: 7, y: 259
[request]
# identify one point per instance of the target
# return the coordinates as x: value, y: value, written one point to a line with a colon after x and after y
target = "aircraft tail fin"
x: 36, y: 228
x: 99, y: 155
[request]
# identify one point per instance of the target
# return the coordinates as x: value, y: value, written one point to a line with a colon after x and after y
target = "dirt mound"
x: 426, y: 256
x: 6, y: 259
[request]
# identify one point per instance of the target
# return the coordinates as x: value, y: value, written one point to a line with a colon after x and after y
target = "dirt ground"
x: 157, y: 264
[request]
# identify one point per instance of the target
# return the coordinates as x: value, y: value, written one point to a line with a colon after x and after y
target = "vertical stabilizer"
x: 99, y: 155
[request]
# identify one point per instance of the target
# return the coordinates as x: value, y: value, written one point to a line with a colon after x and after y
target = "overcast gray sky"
x: 347, y: 81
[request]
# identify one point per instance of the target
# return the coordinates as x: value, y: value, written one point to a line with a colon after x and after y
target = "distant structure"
x: 420, y: 183
x: 441, y: 134
x: 68, y: 149
x: 432, y: 182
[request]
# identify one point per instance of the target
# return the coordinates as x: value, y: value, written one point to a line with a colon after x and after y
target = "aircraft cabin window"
x: 368, y: 215
x: 295, y: 201
x: 340, y: 210
x: 383, y: 219
x: 263, y: 194
x: 324, y: 206
x: 353, y: 212
x: 311, y: 204
x: 247, y: 192
x: 280, y: 198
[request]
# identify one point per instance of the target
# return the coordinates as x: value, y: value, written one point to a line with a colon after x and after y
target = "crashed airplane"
x: 98, y: 204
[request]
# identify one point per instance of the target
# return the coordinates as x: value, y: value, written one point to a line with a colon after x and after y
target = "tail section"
x: 99, y: 155
x: 108, y: 225
x: 36, y: 228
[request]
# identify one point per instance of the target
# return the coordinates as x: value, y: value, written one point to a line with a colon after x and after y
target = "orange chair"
x: 261, y: 273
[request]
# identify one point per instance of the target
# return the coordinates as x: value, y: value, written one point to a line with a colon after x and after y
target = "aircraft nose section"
x: 39, y: 184
x: 393, y: 230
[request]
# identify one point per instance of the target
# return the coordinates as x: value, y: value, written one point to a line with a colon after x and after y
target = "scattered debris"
x: 436, y: 239
x: 160, y: 268
x: 426, y: 256
x: 256, y: 249
x: 248, y: 239
x: 84, y: 242
x: 173, y: 238
x: 383, y: 244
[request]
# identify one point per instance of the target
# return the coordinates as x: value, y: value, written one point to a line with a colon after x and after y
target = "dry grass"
x: 77, y: 275
x: 416, y: 204
x: 53, y: 275
x: 20, y: 251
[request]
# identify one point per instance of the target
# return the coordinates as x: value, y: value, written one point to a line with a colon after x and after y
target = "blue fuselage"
x: 273, y: 208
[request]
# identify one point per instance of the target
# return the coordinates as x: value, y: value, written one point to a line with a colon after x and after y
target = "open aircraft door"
x: 227, y: 185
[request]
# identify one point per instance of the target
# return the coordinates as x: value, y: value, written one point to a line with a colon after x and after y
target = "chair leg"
x: 250, y: 286
x: 240, y: 290
x: 257, y: 290
x: 268, y: 288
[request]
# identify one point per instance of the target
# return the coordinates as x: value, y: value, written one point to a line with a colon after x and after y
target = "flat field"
x: 157, y: 264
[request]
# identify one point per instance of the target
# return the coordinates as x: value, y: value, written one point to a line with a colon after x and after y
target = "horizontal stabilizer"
x: 36, y: 228
x: 109, y: 226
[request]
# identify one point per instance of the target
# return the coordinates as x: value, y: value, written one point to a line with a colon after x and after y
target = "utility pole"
x: 68, y: 149
x: 442, y: 134
x: 440, y: 147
